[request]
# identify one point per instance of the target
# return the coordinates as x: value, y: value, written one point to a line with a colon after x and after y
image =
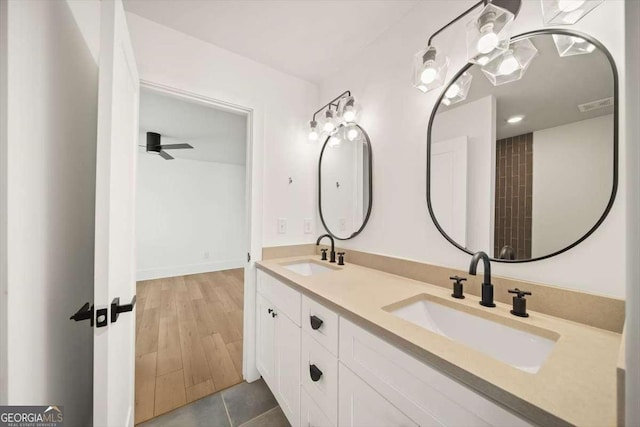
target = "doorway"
x: 192, y: 235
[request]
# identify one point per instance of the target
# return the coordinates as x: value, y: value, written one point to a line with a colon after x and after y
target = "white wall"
x: 50, y: 172
x: 572, y: 181
x: 283, y: 105
x: 189, y: 216
x: 396, y: 117
x: 477, y: 121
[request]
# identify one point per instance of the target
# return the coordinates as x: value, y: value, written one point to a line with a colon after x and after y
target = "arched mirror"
x: 345, y: 183
x: 522, y: 155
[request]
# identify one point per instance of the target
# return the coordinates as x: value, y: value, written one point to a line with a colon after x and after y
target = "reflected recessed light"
x: 515, y: 119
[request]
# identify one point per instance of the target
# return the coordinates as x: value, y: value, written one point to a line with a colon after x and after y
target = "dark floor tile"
x: 246, y: 401
x: 273, y: 418
x: 206, y: 412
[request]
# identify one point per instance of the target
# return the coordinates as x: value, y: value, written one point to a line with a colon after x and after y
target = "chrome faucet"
x: 333, y: 248
x: 487, y: 286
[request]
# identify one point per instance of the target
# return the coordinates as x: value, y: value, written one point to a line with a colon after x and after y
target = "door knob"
x: 116, y: 308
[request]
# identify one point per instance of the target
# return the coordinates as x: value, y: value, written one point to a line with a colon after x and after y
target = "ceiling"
x: 216, y: 135
x: 549, y: 93
x: 307, y: 39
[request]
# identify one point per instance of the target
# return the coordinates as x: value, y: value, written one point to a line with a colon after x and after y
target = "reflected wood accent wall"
x: 514, y: 178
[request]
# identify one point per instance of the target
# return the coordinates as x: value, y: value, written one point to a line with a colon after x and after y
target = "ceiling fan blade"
x: 175, y: 146
x: 165, y: 155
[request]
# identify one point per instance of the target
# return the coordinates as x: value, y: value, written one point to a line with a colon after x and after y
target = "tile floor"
x: 243, y: 405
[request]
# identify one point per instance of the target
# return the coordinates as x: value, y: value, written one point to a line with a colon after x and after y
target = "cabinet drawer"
x: 316, y: 360
x: 416, y: 389
x: 284, y: 297
x: 315, y: 315
x: 310, y: 413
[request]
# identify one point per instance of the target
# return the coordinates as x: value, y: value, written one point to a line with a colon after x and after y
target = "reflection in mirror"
x: 526, y: 169
x: 345, y: 182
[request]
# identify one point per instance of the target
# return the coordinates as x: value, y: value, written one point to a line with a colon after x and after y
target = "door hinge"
x: 248, y: 257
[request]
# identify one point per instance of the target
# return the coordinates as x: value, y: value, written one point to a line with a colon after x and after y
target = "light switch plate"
x: 307, y: 226
x: 282, y: 226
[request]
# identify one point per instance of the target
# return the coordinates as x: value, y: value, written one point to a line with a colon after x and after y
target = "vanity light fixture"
x: 341, y: 109
x: 459, y: 90
x: 566, y: 12
x: 572, y: 45
x: 488, y: 35
x: 514, y: 119
x: 512, y: 64
x: 334, y: 141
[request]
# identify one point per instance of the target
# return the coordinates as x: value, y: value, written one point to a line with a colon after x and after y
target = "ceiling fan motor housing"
x: 153, y: 142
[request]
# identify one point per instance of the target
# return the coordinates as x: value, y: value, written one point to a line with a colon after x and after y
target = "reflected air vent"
x: 596, y: 105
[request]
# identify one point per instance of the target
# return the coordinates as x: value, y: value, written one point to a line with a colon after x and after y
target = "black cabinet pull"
x: 116, y: 308
x: 315, y: 373
x: 316, y: 322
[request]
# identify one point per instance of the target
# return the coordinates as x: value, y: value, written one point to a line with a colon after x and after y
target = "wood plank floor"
x: 188, y: 339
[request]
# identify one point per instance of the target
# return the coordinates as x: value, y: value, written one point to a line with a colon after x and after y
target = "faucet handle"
x: 458, y: 279
x: 324, y: 254
x: 341, y: 258
x: 520, y: 293
x: 519, y: 302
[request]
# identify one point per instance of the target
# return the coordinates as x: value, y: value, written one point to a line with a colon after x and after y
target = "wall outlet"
x: 307, y: 226
x: 282, y: 226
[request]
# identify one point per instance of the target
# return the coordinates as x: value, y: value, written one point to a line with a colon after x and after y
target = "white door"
x: 265, y: 339
x: 114, y: 344
x: 449, y: 186
x: 362, y: 406
x: 288, y: 367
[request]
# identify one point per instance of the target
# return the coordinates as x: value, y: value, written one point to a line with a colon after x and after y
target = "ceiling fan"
x: 153, y: 145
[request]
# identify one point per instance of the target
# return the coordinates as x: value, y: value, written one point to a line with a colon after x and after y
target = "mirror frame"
x: 370, y: 181
x: 614, y: 189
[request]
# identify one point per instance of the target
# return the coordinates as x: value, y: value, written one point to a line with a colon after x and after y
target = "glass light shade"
x: 313, y: 131
x: 429, y: 69
x: 458, y: 90
x: 512, y: 64
x: 335, y: 141
x: 352, y: 133
x: 349, y: 109
x: 566, y: 12
x: 572, y: 45
x: 329, y: 124
x: 488, y: 35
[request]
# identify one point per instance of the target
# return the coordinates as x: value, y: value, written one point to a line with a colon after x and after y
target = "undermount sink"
x: 308, y: 268
x: 524, y: 350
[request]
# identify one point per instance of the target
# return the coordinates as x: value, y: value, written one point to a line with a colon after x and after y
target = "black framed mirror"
x: 526, y: 169
x: 345, y: 181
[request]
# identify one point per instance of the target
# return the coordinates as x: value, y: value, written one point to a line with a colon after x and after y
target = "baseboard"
x: 183, y: 270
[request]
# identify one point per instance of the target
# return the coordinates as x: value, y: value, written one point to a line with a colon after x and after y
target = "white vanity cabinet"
x: 326, y: 371
x: 278, y: 343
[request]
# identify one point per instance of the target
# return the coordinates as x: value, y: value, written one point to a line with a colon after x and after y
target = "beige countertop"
x: 576, y: 385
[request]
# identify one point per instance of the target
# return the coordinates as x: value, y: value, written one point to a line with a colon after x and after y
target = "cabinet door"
x: 362, y: 406
x: 265, y: 339
x: 287, y: 353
